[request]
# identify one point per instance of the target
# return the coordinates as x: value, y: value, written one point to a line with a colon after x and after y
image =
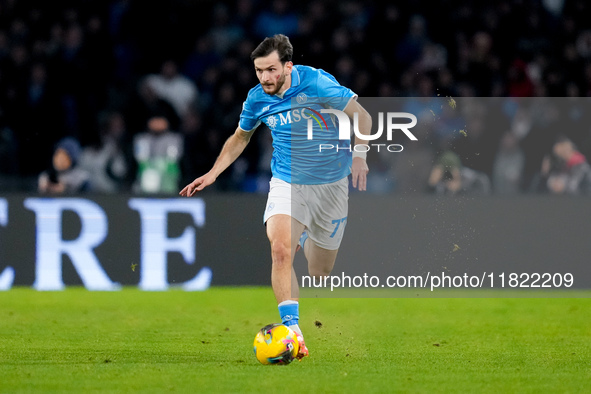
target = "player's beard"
x: 278, y: 85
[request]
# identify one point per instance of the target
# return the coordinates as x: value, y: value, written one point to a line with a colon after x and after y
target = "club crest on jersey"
x: 271, y: 122
x: 301, y: 98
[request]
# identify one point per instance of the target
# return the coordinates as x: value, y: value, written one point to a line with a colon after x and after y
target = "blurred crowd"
x: 136, y: 96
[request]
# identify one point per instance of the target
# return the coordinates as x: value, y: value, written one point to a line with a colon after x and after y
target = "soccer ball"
x: 276, y: 344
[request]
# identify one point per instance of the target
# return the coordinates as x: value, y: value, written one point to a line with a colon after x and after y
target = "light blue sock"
x: 290, y: 312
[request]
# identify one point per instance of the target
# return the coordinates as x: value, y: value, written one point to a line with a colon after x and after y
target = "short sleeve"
x: 338, y: 96
x: 248, y: 120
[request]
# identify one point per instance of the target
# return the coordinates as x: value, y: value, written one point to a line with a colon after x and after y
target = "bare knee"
x: 279, y: 232
x: 281, y: 254
x: 319, y: 272
x: 320, y: 261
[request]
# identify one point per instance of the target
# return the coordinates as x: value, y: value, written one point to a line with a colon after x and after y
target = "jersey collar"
x: 295, y: 76
x: 295, y: 81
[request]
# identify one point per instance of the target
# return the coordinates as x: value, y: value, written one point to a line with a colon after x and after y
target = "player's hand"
x: 359, y: 172
x: 197, y: 185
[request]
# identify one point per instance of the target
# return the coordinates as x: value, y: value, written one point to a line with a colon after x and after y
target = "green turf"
x: 133, y: 341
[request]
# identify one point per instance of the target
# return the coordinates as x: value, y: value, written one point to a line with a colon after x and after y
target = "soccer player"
x: 308, y: 197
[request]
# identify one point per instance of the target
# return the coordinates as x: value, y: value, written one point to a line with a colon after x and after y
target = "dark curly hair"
x: 279, y: 43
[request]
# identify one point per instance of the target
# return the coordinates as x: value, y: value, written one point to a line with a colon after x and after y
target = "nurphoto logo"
x: 345, y: 129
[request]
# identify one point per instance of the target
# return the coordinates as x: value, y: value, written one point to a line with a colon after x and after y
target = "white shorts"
x: 321, y: 208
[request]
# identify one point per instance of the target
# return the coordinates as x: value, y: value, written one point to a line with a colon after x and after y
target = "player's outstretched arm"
x: 359, y: 168
x: 233, y: 147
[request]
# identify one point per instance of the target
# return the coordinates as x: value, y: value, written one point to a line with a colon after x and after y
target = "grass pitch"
x: 133, y: 341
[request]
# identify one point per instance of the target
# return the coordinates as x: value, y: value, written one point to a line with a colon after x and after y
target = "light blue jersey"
x: 297, y: 159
